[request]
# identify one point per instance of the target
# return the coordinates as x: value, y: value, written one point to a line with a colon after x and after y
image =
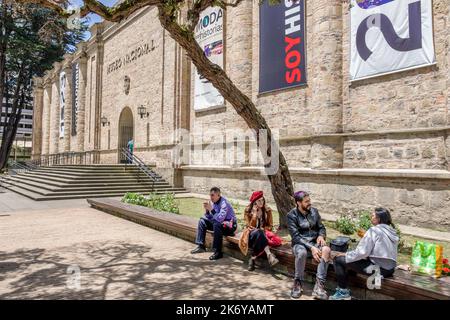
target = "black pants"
x: 341, y: 268
x: 257, y: 241
x: 218, y: 229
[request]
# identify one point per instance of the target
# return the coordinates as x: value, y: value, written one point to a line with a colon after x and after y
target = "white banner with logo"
x: 390, y: 35
x: 209, y: 35
x: 62, y: 102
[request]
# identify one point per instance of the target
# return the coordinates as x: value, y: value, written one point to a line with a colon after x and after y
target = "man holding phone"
x: 220, y: 218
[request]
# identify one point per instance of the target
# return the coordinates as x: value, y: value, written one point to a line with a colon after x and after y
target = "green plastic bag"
x: 427, y: 259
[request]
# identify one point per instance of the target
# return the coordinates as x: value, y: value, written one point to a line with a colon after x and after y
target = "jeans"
x: 341, y: 267
x: 301, y: 254
x: 218, y: 229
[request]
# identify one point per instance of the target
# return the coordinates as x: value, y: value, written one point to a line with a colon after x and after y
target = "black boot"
x: 251, y: 264
x: 199, y: 249
x: 216, y: 256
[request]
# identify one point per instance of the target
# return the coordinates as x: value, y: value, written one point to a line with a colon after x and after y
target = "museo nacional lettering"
x: 133, y: 55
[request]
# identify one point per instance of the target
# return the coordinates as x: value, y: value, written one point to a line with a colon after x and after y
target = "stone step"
x: 71, y: 181
x: 93, y: 183
x: 38, y: 197
x: 87, y: 173
x: 98, y: 186
x: 88, y: 193
x: 88, y: 170
x: 86, y: 176
x: 95, y: 167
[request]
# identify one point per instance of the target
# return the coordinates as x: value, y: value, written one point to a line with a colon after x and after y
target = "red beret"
x: 256, y: 195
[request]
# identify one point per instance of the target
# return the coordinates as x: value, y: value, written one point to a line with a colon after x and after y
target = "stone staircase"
x: 84, y: 181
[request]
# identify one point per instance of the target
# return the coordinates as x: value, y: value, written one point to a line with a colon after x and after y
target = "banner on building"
x: 390, y: 36
x: 282, y: 62
x: 209, y: 35
x: 62, y: 102
x: 75, y: 86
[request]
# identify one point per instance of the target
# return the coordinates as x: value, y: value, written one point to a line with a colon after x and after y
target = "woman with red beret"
x: 259, y: 223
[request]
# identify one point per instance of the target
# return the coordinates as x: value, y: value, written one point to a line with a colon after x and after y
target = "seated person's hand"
x: 321, y: 241
x: 335, y: 254
x: 316, y: 254
x: 207, y: 206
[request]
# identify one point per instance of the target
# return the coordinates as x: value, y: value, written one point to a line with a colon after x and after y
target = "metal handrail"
x: 16, y: 167
x: 74, y: 158
x: 141, y: 165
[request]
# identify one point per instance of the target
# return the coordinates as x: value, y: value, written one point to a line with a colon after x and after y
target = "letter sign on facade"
x: 390, y: 35
x: 282, y: 61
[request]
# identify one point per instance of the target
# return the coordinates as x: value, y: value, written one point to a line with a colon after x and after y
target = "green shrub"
x: 402, y: 246
x: 135, y: 198
x: 345, y: 225
x: 164, y: 202
x: 364, y: 220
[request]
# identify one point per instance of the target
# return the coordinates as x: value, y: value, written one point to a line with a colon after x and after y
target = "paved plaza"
x: 44, y: 244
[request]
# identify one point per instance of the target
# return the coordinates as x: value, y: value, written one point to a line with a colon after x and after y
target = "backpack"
x: 340, y: 244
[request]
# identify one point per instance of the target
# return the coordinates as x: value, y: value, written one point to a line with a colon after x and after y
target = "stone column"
x: 55, y: 111
x: 326, y: 82
x: 67, y: 68
x: 46, y: 116
x: 238, y: 44
x: 447, y: 135
x: 82, y: 64
x: 37, y: 118
x: 238, y: 34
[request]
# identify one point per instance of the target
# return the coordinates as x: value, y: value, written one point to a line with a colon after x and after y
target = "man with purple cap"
x: 308, y: 236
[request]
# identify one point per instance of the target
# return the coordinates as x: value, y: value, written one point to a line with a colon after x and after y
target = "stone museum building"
x: 355, y: 134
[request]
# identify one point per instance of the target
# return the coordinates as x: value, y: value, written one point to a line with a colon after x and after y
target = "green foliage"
x: 345, y: 224
x: 164, y: 202
x: 135, y: 198
x: 402, y: 246
x: 364, y: 221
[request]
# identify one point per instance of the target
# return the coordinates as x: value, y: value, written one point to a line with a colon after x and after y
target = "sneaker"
x: 272, y: 259
x: 319, y: 291
x: 341, y: 294
x: 296, y: 291
x: 216, y: 256
x: 251, y: 264
x: 199, y: 249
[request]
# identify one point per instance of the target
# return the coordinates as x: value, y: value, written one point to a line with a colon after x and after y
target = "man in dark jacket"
x: 308, y: 239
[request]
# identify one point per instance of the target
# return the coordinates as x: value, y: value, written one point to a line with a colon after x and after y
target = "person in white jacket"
x: 377, y: 247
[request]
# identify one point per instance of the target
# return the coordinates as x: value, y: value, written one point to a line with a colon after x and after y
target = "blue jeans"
x: 301, y: 254
x: 218, y: 229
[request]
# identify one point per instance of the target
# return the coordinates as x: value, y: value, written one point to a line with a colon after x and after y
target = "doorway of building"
x: 126, y: 132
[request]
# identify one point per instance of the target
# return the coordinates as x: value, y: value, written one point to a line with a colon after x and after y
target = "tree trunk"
x: 281, y: 182
x: 10, y: 129
x: 3, y: 46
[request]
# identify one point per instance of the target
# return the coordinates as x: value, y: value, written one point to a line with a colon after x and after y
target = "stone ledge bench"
x: 403, y: 285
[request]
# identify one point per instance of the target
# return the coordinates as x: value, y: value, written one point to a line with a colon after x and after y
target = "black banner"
x: 282, y: 61
x: 75, y: 85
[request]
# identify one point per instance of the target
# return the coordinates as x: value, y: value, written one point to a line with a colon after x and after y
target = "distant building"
x: 25, y: 129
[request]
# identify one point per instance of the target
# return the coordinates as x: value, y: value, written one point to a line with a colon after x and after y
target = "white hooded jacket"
x: 379, y: 245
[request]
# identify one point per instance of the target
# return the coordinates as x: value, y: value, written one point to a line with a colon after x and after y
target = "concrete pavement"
x: 43, y: 246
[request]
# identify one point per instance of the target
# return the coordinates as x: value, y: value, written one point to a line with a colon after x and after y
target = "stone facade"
x: 354, y: 145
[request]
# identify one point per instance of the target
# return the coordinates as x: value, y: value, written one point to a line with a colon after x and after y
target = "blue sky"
x: 92, y: 18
